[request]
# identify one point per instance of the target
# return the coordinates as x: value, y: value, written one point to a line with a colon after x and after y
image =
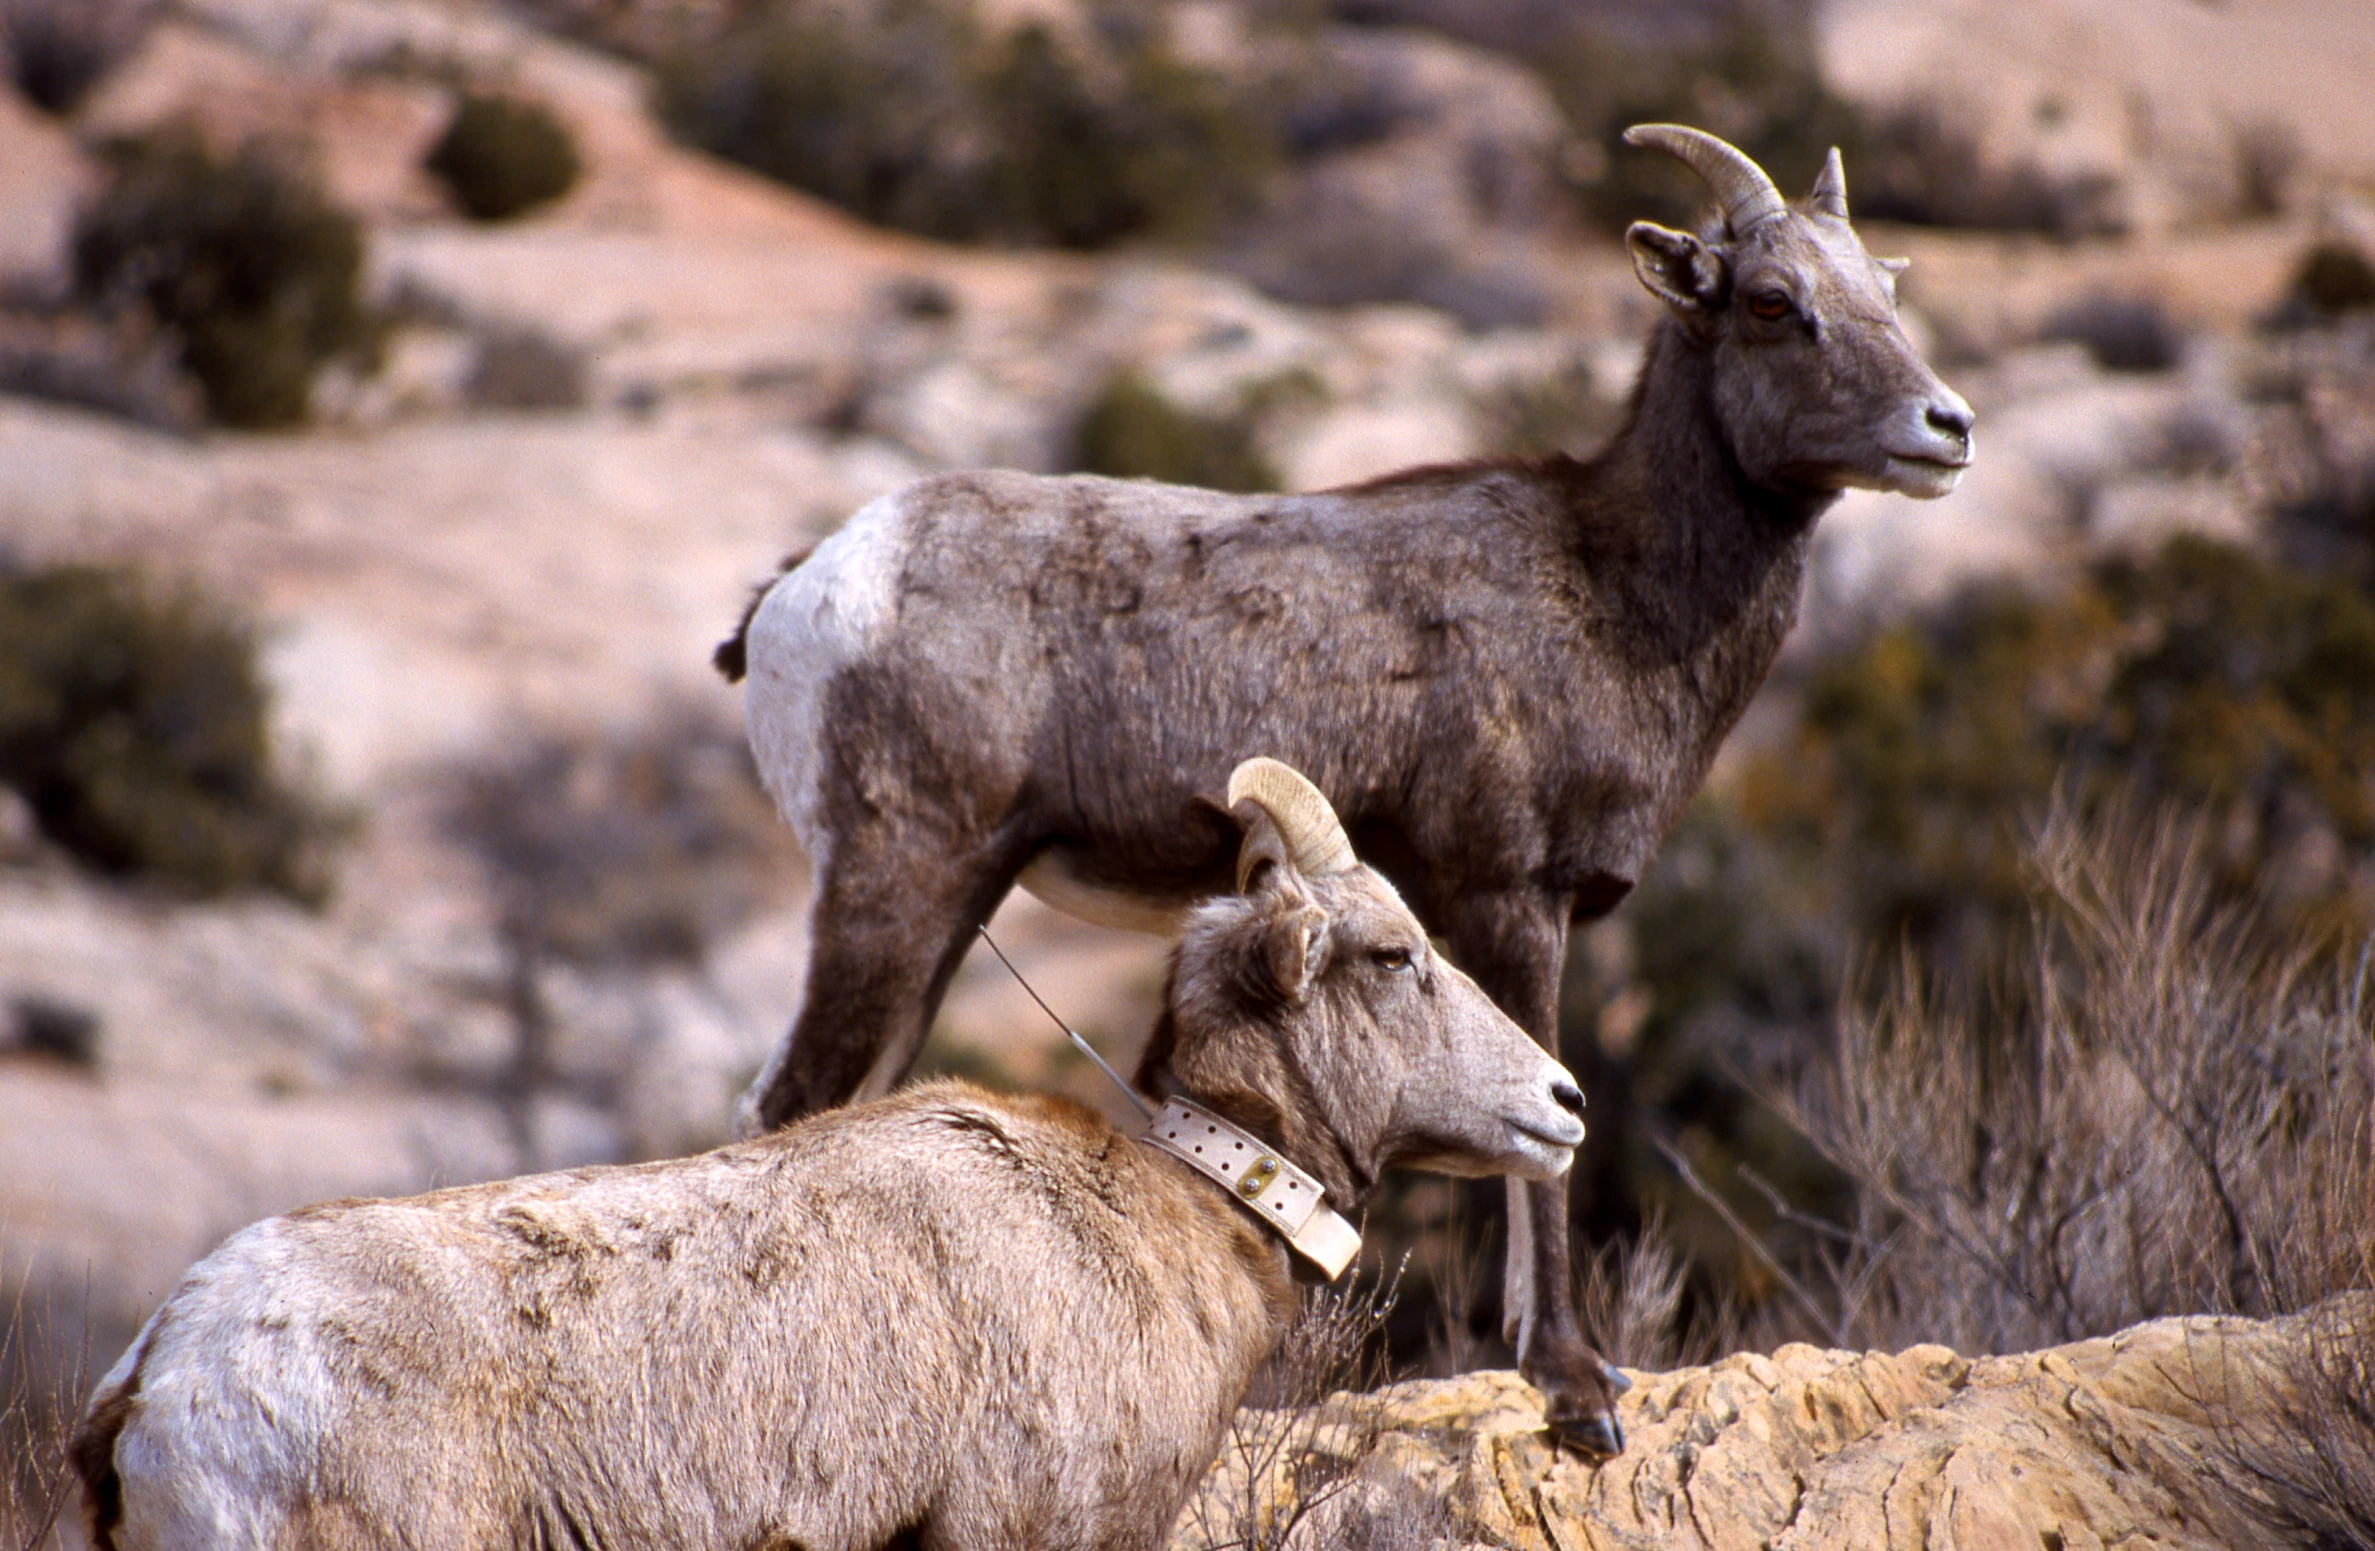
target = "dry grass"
x: 2160, y: 1106
x: 39, y: 1401
x: 2298, y: 1455
x: 1630, y: 1295
x: 2174, y: 1119
x: 1301, y: 1466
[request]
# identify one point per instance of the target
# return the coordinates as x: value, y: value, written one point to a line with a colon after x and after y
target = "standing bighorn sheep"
x: 1509, y: 677
x: 943, y: 1319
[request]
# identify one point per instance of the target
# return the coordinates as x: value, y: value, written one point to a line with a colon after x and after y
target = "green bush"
x: 134, y: 724
x: 2204, y: 676
x: 1169, y: 155
x: 246, y: 262
x: 1131, y: 431
x: 916, y: 118
x: 861, y: 115
x: 1894, y: 818
x: 1759, y: 88
x: 503, y: 156
x: 1558, y: 412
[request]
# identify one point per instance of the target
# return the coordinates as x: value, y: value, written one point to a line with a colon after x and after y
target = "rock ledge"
x: 2110, y: 1442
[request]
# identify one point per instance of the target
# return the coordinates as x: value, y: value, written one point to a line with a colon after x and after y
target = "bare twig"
x: 1805, y: 1300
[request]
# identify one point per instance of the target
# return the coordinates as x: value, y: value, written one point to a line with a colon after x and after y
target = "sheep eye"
x: 1391, y: 958
x: 1769, y: 306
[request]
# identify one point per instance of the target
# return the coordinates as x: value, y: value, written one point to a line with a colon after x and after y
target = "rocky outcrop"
x: 2116, y: 1442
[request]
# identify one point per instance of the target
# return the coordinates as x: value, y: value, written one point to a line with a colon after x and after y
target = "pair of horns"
x: 1748, y: 197
x: 1308, y: 830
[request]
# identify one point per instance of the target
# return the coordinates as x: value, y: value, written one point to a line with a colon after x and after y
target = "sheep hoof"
x: 1596, y: 1437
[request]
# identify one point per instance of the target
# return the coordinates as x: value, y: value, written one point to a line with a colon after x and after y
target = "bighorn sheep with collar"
x: 1509, y: 677
x: 945, y: 1318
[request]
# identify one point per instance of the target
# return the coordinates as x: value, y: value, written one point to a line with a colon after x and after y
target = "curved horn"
x: 1314, y: 837
x: 1748, y: 197
x: 1830, y: 190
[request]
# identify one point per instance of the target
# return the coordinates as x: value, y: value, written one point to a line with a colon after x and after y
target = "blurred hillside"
x: 470, y: 361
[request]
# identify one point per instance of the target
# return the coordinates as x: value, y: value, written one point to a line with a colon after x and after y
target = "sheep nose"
x: 1567, y: 1096
x: 1951, y: 416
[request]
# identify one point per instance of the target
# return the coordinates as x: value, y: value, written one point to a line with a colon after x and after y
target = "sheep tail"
x: 93, y: 1455
x: 732, y: 657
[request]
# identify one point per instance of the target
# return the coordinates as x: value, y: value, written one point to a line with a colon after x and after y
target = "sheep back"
x: 998, y: 1317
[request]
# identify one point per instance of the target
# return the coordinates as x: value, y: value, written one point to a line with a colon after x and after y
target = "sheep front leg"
x: 887, y: 929
x: 1514, y: 946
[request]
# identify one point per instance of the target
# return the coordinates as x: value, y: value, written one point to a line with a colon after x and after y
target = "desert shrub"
x: 2122, y: 333
x: 1170, y: 154
x: 1562, y: 411
x: 635, y: 848
x: 917, y: 118
x: 1891, y: 824
x: 2297, y: 1467
x: 2175, y: 1119
x: 2203, y: 676
x: 867, y: 116
x: 502, y: 156
x: 1298, y: 1464
x: 1921, y: 164
x: 1757, y: 87
x: 56, y: 50
x: 642, y: 846
x: 525, y: 368
x: 1131, y: 431
x: 2333, y: 278
x: 249, y: 266
x: 136, y: 726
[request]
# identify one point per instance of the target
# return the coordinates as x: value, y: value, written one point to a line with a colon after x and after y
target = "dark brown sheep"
x: 1509, y: 677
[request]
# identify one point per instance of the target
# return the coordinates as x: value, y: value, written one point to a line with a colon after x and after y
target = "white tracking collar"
x: 1283, y: 1196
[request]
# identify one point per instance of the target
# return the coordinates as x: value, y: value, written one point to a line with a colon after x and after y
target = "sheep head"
x: 1814, y: 382
x: 1309, y: 1007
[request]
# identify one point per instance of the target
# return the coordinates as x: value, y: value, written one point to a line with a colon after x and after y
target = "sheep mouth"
x: 1540, y: 1139
x: 1920, y: 474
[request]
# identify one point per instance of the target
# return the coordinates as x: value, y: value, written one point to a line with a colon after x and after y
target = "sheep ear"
x: 1296, y: 947
x: 1294, y: 930
x: 1677, y: 267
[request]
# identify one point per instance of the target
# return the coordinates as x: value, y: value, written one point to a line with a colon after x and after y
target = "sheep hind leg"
x: 887, y: 929
x: 1514, y: 947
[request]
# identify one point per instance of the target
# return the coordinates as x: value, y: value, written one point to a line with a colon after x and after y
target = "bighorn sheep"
x: 1509, y: 677
x: 946, y: 1318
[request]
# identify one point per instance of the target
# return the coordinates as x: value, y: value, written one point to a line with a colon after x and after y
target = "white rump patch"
x: 236, y: 1401
x: 824, y: 614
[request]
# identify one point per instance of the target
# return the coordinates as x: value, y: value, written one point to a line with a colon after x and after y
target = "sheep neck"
x: 1701, y: 565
